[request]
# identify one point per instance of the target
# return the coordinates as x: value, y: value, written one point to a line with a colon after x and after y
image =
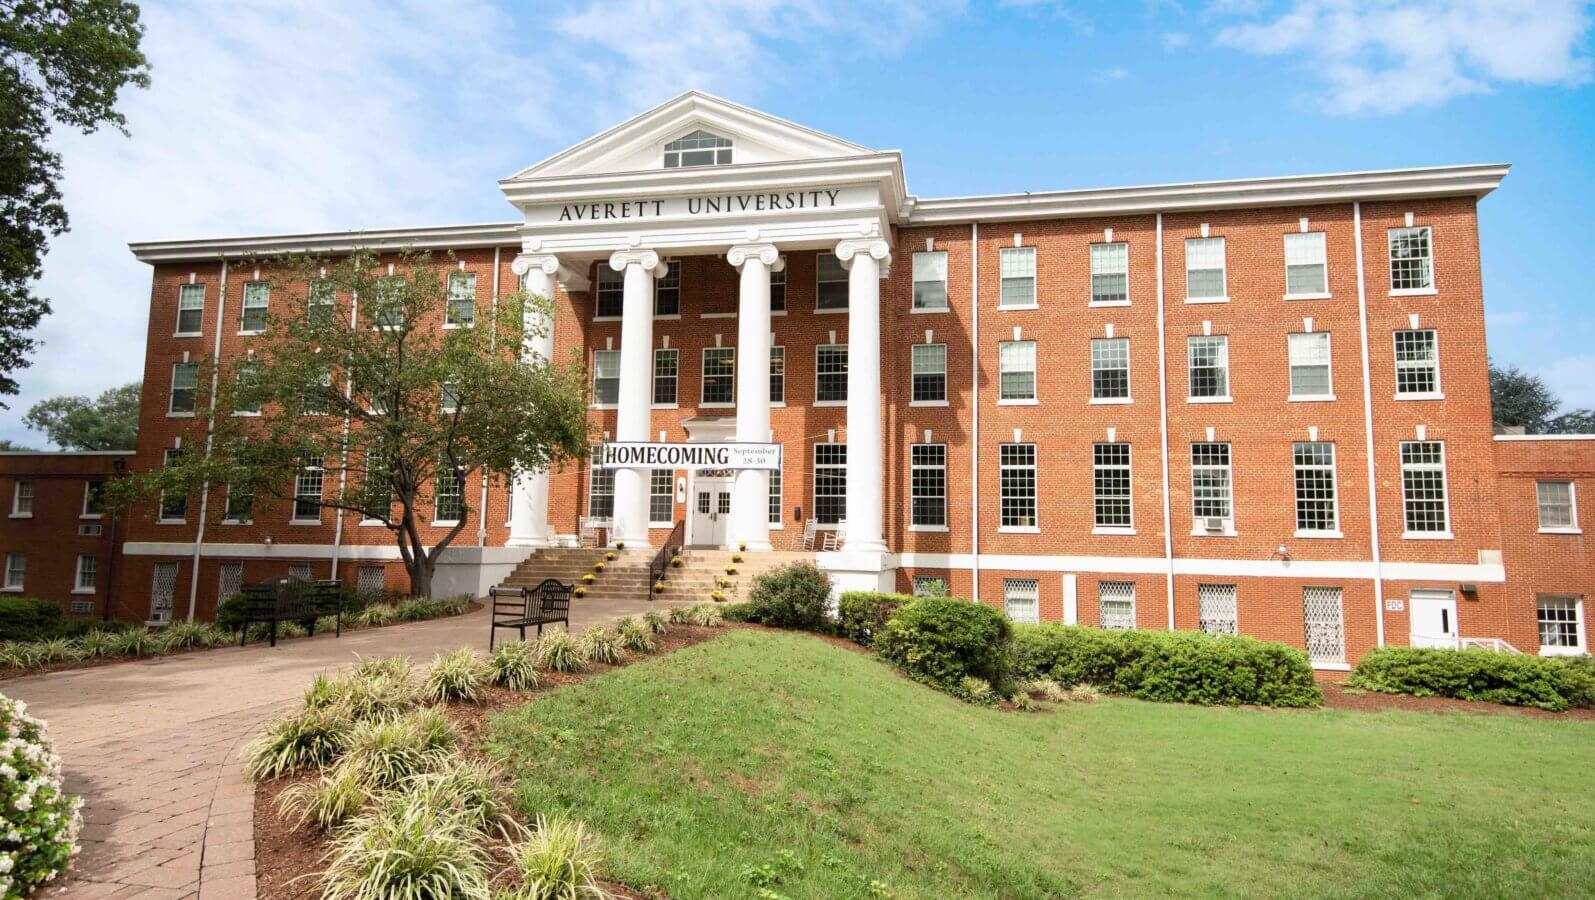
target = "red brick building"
x: 1256, y: 406
x: 56, y: 540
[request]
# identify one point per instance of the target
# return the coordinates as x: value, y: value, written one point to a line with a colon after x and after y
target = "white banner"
x: 639, y: 455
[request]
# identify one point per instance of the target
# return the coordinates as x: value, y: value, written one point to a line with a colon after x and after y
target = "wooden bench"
x: 291, y: 600
x: 520, y: 607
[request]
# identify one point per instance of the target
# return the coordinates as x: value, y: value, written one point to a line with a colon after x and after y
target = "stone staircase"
x: 703, y: 571
x: 626, y: 576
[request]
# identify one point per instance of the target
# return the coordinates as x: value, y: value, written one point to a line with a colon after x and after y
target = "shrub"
x: 464, y: 785
x: 706, y: 615
x: 559, y: 651
x: 655, y: 621
x: 862, y: 614
x: 558, y: 861
x: 40, y: 822
x: 435, y: 728
x: 680, y: 615
x: 939, y: 640
x: 514, y: 666
x: 27, y: 619
x: 1048, y: 689
x: 375, y: 616
x: 381, y: 753
x: 415, y: 609
x: 600, y: 644
x: 976, y: 690
x: 57, y: 650
x: 635, y: 636
x: 329, y: 625
x: 1516, y: 680
x: 398, y: 667
x: 1084, y: 693
x: 301, y: 740
x: 408, y: 846
x: 793, y: 596
x: 19, y: 655
x: 327, y: 802
x: 132, y: 642
x: 1177, y: 666
x: 1023, y: 702
x: 460, y: 675
x: 374, y: 694
x: 292, y: 630
x: 230, y: 613
x: 739, y: 612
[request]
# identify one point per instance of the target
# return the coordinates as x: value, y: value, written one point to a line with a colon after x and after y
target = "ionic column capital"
x: 526, y: 262
x: 765, y: 253
x: 648, y: 259
x: 873, y: 247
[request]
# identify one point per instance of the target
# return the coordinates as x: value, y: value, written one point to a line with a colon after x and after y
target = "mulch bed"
x: 1338, y: 696
x: 287, y: 860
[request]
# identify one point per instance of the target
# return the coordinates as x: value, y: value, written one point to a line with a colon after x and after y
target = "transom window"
x: 1423, y: 489
x: 667, y: 365
x: 930, y: 373
x: 1021, y: 599
x: 1417, y: 362
x: 1204, y: 268
x: 609, y: 294
x: 1411, y: 260
x: 1110, y: 368
x: 1110, y: 274
x: 185, y: 382
x: 699, y: 148
x: 830, y: 483
x: 927, y: 477
x: 1309, y: 365
x: 777, y: 374
x: 830, y: 282
x: 930, y: 280
x: 1209, y: 365
x: 1306, y: 265
x: 1110, y: 471
x: 1215, y: 608
x: 1017, y: 482
x: 667, y: 290
x: 1211, y: 487
x: 1316, y: 503
x: 1557, y: 511
x: 1561, y: 625
x: 307, y: 490
x: 719, y: 375
x: 257, y: 296
x: 606, y: 377
x: 462, y: 299
x: 1018, y: 269
x: 1116, y: 604
x: 190, y: 309
x: 1016, y: 364
x: 830, y: 373
x: 600, y: 490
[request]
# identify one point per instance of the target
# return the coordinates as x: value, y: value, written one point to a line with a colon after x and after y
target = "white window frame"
x: 1223, y: 269
x: 833, y: 470
x: 1002, y: 369
x: 1121, y: 592
x: 1580, y: 636
x: 262, y: 292
x: 777, y: 498
x: 1004, y: 468
x: 721, y: 151
x: 669, y: 494
x: 778, y: 292
x: 160, y: 501
x: 1190, y: 369
x: 1211, y: 600
x: 24, y: 492
x: 449, y: 319
x: 1004, y: 255
x: 172, y: 412
x: 819, y: 283
x: 934, y: 259
x: 1445, y: 492
x: 228, y: 518
x: 1025, y: 590
x: 1336, y: 661
x: 1129, y: 390
x: 1312, y: 249
x: 1104, y: 250
x: 88, y: 495
x: 778, y: 373
x: 1227, y: 470
x: 231, y: 570
x: 308, y: 467
x: 1439, y: 390
x: 1098, y: 470
x: 1292, y: 364
x: 846, y: 362
x: 186, y: 294
x: 915, y: 373
x: 93, y: 574
x: 703, y: 382
x: 16, y: 564
x: 598, y: 475
x: 1390, y: 249
x: 1572, y: 526
x: 674, y: 355
x: 1298, y: 469
x: 457, y: 492
x: 930, y: 469
x: 669, y: 281
x: 318, y: 295
x: 608, y: 284
x: 598, y: 376
x: 240, y: 388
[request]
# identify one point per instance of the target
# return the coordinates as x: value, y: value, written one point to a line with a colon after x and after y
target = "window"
x: 1209, y: 366
x: 830, y: 283
x: 1317, y: 509
x: 231, y: 579
x: 319, y: 303
x: 1411, y: 267
x: 1557, y: 511
x: 1018, y: 269
x: 1215, y: 608
x: 1016, y: 364
x: 257, y: 296
x: 1326, y: 636
x: 1110, y: 274
x: 830, y: 483
x: 190, y: 309
x: 927, y: 480
x: 930, y: 586
x: 307, y: 490
x: 88, y: 574
x: 830, y: 373
x: 662, y: 497
x: 246, y: 398
x: 16, y: 571
x: 1309, y: 365
x: 448, y: 493
x: 778, y: 291
x: 1110, y: 470
x: 387, y: 310
x: 300, y: 572
x: 1417, y: 363
x: 376, y: 485
x: 240, y: 503
x: 449, y: 400
x: 1204, y: 269
x: 1021, y: 599
x: 667, y: 290
x: 173, y: 507
x: 163, y: 590
x: 699, y: 148
x: 1017, y: 481
x: 1561, y: 623
x: 1210, y: 488
x: 1423, y: 492
x: 22, y: 499
x: 370, y: 580
x: 719, y: 376
x: 930, y: 373
x: 666, y: 367
x: 1110, y: 368
x: 600, y: 491
x: 609, y: 295
x: 775, y: 497
x: 778, y: 375
x: 930, y: 280
x: 185, y: 383
x: 1306, y: 265
x: 462, y: 300
x: 93, y: 499
x: 319, y: 399
x: 1116, y: 604
x: 606, y: 377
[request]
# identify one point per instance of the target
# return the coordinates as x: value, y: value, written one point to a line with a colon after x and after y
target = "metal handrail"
x: 660, y: 567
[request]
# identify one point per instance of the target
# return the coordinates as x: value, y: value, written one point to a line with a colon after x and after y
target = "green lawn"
x: 760, y: 760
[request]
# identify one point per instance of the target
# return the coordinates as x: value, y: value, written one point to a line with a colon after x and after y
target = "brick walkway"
x: 154, y: 746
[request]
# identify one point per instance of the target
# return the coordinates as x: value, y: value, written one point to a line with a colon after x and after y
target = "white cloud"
x: 1116, y: 73
x: 1174, y: 40
x: 1572, y: 379
x: 1383, y: 56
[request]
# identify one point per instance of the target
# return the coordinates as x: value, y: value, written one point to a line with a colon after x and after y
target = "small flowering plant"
x: 675, y: 562
x: 39, y: 822
x: 598, y: 567
x: 588, y: 578
x: 610, y: 555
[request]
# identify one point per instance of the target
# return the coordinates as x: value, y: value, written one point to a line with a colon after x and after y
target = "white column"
x: 864, y: 259
x: 750, y: 497
x: 641, y: 267
x: 529, y: 511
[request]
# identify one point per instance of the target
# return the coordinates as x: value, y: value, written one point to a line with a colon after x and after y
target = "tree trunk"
x: 420, y: 576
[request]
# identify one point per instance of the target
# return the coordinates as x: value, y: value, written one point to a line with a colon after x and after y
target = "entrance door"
x: 711, y: 509
x: 1434, y: 619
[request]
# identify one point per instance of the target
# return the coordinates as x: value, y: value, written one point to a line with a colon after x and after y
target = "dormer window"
x: 699, y: 148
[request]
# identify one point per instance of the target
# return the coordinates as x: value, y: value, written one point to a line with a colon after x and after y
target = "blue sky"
x: 300, y: 115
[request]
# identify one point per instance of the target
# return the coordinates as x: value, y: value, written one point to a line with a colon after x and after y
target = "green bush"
x: 940, y: 640
x: 39, y: 821
x: 1544, y: 682
x: 863, y: 614
x: 1169, y: 666
x: 408, y: 846
x: 794, y: 596
x: 557, y: 861
x: 27, y: 619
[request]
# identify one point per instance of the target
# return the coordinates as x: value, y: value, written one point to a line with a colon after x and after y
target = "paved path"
x: 154, y: 747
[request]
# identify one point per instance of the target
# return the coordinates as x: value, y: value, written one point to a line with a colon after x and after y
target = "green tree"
x: 106, y: 422
x: 361, y: 400
x: 1519, y: 399
x: 62, y: 62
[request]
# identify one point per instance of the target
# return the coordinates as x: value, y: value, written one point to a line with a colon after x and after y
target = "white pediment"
x: 638, y: 144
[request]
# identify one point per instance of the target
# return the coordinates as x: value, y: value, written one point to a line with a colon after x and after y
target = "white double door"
x: 1434, y: 618
x: 711, y: 509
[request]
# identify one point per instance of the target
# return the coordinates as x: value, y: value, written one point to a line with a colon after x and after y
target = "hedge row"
x: 1551, y: 683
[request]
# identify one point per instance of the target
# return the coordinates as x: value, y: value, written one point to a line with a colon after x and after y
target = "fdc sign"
x: 639, y: 455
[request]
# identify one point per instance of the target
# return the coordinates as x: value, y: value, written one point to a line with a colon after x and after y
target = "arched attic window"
x: 699, y: 148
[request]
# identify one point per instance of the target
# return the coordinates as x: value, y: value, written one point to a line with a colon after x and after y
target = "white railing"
x: 1493, y: 644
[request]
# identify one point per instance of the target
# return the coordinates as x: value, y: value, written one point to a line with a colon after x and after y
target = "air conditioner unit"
x: 90, y: 530
x: 1213, y: 525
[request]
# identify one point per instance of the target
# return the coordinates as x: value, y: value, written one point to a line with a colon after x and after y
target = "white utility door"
x: 1434, y: 619
x: 711, y: 510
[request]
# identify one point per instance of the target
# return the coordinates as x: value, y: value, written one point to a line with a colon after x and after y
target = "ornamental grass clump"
x: 706, y: 615
x: 329, y: 801
x: 39, y: 822
x: 680, y: 615
x: 184, y: 636
x: 468, y: 786
x: 133, y: 642
x: 381, y: 753
x: 306, y: 739
x: 514, y: 666
x: 58, y: 650
x: 601, y: 644
x: 558, y: 861
x: 375, y: 616
x: 377, y: 694
x: 459, y: 675
x: 655, y: 621
x: 408, y: 847
x: 415, y: 609
x: 635, y: 636
x: 559, y: 651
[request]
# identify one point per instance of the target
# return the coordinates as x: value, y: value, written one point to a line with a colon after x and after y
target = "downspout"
x: 210, y: 432
x: 1367, y: 430
x: 343, y: 467
x: 1163, y: 422
x: 974, y: 368
x: 481, y: 509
